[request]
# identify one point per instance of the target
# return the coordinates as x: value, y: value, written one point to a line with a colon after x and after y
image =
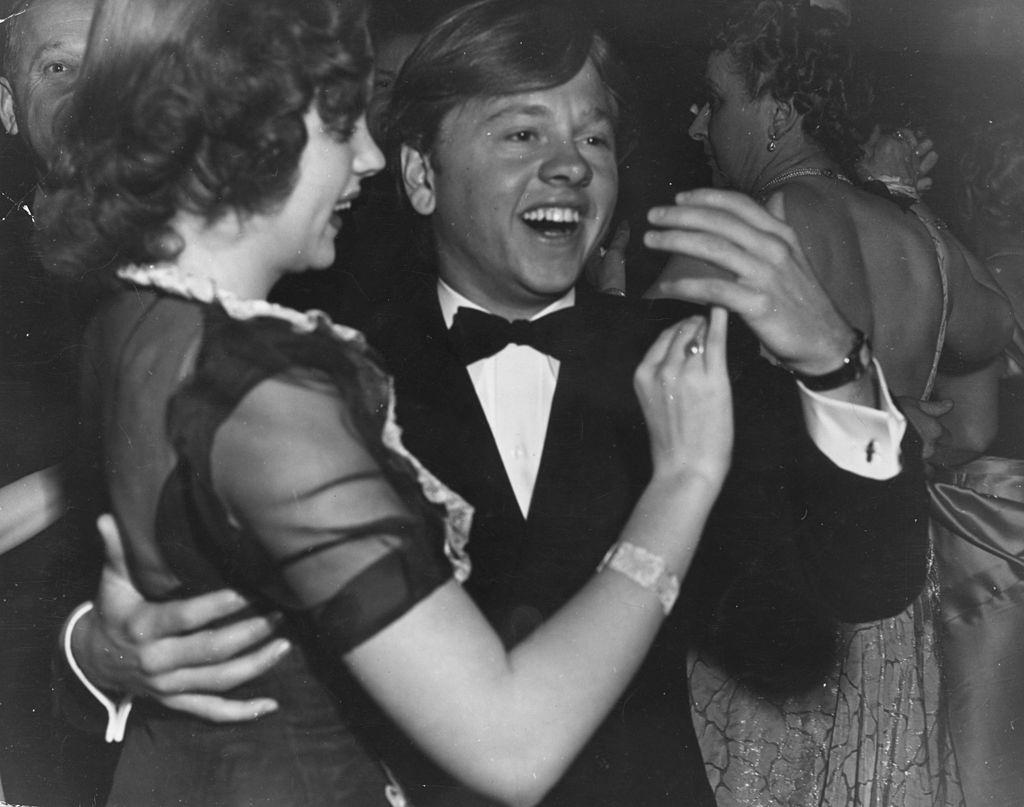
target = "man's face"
x: 520, y: 189
x: 51, y: 38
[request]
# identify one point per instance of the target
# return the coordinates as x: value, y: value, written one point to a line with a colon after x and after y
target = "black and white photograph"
x: 571, y: 403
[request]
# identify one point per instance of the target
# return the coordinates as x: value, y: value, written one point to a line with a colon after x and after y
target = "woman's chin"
x: 316, y: 264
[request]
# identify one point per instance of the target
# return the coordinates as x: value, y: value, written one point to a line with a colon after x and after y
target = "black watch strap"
x: 854, y: 366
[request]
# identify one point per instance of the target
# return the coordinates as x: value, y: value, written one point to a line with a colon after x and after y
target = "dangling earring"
x: 771, y: 143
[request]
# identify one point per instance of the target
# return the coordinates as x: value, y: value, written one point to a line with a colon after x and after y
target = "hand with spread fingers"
x: 684, y: 391
x: 734, y: 253
x: 169, y: 651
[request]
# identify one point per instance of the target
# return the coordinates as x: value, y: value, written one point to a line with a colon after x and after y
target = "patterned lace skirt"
x: 873, y: 735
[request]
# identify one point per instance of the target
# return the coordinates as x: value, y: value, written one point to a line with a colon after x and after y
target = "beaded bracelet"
x: 645, y: 569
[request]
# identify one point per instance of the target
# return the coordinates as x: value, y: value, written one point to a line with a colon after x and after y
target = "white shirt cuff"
x: 859, y: 439
x: 117, y: 713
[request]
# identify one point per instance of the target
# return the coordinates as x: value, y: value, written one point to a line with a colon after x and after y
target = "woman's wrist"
x: 700, y: 478
x: 669, y: 518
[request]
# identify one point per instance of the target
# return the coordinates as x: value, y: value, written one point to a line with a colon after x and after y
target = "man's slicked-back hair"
x: 501, y: 47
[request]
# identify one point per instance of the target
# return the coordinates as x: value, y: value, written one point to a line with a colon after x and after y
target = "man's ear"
x: 418, y: 180
x: 7, y: 117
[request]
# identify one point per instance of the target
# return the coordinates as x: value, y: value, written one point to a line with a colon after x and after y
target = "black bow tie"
x: 475, y: 335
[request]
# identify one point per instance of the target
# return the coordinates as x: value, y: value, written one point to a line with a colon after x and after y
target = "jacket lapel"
x: 438, y: 409
x: 595, y: 447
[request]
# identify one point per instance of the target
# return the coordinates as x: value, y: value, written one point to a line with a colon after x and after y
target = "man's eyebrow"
x: 598, y: 114
x: 54, y: 46
x: 529, y: 110
x: 592, y: 115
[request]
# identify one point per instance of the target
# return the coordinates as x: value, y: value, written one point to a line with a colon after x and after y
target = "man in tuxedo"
x: 545, y: 438
x: 515, y: 388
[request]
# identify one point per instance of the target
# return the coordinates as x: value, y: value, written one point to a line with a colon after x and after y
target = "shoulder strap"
x: 1004, y: 253
x: 934, y: 227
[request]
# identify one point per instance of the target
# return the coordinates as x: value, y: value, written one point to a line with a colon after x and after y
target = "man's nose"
x: 566, y: 164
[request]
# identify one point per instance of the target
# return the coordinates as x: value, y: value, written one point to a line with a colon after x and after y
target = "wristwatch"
x: 854, y: 366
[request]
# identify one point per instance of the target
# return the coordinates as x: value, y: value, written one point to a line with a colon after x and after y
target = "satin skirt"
x: 978, y: 534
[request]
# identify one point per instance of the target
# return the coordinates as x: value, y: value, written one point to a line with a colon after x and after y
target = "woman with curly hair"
x: 211, y: 145
x: 779, y: 125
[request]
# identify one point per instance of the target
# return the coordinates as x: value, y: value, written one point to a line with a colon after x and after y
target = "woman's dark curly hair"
x: 991, y: 188
x: 194, y: 106
x: 802, y: 54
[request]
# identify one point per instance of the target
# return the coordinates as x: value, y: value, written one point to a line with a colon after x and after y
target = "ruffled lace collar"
x: 168, y: 278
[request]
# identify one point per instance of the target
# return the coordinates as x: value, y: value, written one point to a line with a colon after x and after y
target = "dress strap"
x: 1005, y: 253
x: 934, y: 226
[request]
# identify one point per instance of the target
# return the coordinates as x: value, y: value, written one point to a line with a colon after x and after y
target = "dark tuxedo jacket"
x: 794, y: 544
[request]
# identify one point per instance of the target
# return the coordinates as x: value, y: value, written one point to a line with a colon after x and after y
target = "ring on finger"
x: 695, y: 347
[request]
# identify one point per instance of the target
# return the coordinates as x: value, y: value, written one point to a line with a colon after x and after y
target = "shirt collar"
x: 451, y: 301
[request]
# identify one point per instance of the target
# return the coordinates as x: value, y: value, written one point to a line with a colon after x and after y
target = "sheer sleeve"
x: 294, y: 477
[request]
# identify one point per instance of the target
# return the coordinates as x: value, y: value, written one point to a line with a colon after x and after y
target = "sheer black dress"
x: 250, y: 452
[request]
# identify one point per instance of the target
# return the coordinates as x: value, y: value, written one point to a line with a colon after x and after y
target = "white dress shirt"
x: 516, y: 385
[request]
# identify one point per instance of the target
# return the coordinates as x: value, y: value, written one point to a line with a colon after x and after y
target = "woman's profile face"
x: 734, y: 128
x: 300, y: 233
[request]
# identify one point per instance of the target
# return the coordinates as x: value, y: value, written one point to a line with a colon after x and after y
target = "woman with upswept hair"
x: 778, y: 123
x: 211, y: 147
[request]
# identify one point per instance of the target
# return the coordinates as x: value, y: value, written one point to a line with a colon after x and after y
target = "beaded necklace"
x: 168, y: 278
x: 801, y: 172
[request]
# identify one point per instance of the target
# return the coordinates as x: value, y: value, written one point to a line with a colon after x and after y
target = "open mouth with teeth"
x: 339, y: 208
x: 553, y: 222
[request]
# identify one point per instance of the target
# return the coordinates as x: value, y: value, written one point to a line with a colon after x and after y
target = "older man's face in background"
x: 48, y: 46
